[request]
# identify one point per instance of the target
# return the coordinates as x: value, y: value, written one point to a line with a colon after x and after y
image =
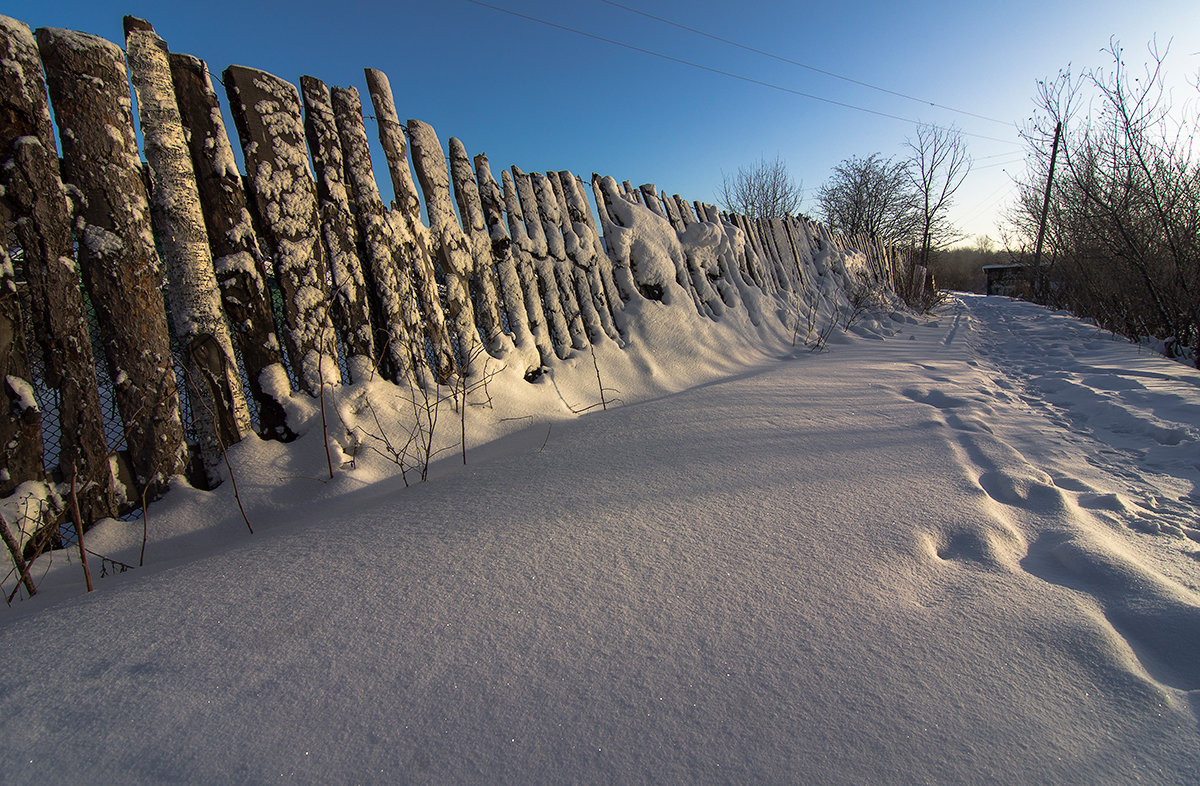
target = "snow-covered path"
x: 963, y: 553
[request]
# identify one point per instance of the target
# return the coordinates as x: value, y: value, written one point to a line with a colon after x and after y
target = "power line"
x: 798, y: 64
x: 729, y: 74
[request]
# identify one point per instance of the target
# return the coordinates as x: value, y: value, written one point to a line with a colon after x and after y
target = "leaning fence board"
x: 485, y: 289
x: 589, y: 254
x: 266, y: 110
x: 20, y: 418
x: 556, y: 253
x: 522, y: 249
x: 89, y: 90
x: 525, y: 208
x: 219, y: 412
x: 394, y: 307
x: 529, y: 331
x: 452, y: 250
x: 351, y: 314
x: 237, y: 260
x: 34, y: 194
x: 412, y: 238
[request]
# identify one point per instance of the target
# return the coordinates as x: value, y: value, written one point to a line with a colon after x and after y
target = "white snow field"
x: 963, y: 550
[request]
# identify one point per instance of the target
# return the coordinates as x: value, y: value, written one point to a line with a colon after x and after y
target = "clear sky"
x: 542, y: 97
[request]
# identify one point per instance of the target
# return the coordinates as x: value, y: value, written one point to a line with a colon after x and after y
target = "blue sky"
x: 544, y: 98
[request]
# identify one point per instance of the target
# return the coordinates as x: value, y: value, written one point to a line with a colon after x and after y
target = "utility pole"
x: 1037, y: 259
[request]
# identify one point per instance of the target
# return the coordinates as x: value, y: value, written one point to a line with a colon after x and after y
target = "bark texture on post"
x: 485, y: 289
x: 266, y: 110
x: 394, y: 307
x: 35, y: 197
x: 413, y: 245
x: 237, y: 260
x: 89, y: 90
x: 351, y: 314
x: 218, y: 405
x: 524, y: 208
x: 519, y: 321
x: 451, y: 248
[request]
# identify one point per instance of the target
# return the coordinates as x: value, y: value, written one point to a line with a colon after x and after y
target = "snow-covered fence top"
x: 217, y: 297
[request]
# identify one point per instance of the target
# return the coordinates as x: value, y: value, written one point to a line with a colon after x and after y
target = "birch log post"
x: 485, y: 288
x: 237, y: 260
x: 529, y: 330
x: 394, y: 306
x: 414, y: 247
x: 89, y: 90
x: 266, y: 110
x: 452, y: 250
x: 351, y: 312
x: 219, y: 412
x: 34, y: 194
x: 523, y: 208
x: 561, y: 268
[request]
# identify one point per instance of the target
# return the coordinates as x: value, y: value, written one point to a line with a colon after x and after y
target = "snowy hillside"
x: 956, y: 551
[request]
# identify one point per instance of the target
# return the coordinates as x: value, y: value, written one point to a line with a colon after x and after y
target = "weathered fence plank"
x: 219, y: 412
x: 394, y: 307
x: 529, y: 330
x: 451, y: 248
x: 561, y: 269
x: 266, y: 110
x: 485, y: 289
x: 525, y: 208
x: 351, y: 312
x: 589, y: 254
x: 522, y: 246
x: 605, y: 190
x: 413, y: 243
x: 34, y: 194
x: 237, y: 260
x: 89, y: 90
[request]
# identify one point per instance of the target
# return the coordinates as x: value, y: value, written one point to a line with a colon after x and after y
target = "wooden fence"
x: 277, y: 280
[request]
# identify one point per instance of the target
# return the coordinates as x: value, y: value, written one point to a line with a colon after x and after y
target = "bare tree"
x: 937, y: 165
x: 1123, y: 226
x: 762, y: 190
x: 873, y: 196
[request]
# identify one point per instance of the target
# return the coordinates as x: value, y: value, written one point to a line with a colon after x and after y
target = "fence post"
x: 591, y: 254
x: 451, y: 249
x: 218, y: 405
x: 89, y: 89
x: 413, y: 243
x: 394, y: 307
x: 266, y: 110
x: 558, y: 266
x: 351, y: 313
x: 529, y: 330
x: 523, y: 208
x: 34, y: 194
x: 485, y: 289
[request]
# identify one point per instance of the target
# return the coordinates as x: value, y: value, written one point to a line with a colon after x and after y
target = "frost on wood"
x: 645, y: 245
x: 413, y: 244
x: 89, y: 90
x: 351, y: 314
x: 34, y: 196
x: 451, y: 248
x: 266, y: 110
x: 219, y: 412
x: 511, y: 288
x: 237, y: 260
x: 523, y: 209
x: 395, y: 311
x: 484, y: 284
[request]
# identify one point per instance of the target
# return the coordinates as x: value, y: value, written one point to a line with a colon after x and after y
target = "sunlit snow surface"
x: 965, y: 552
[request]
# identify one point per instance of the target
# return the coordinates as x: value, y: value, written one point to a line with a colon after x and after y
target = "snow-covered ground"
x: 963, y: 552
